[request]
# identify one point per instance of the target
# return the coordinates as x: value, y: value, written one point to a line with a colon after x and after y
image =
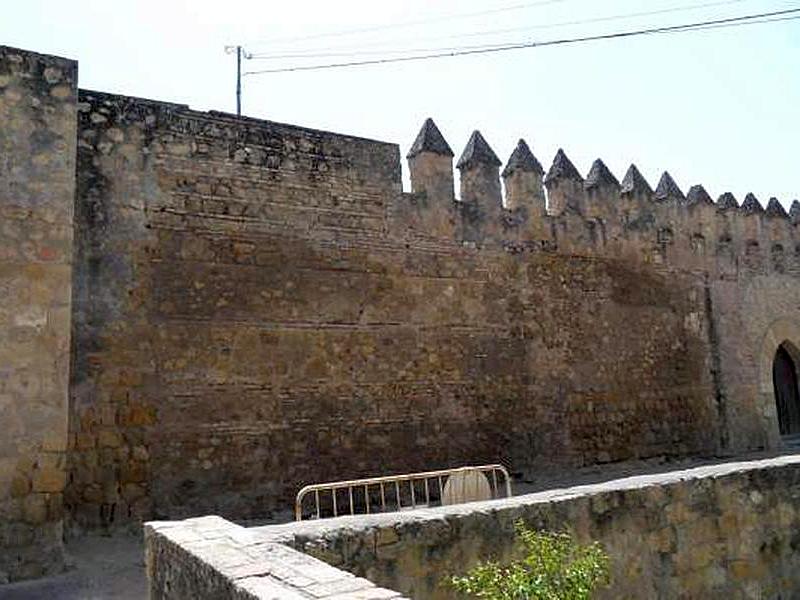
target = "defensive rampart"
x: 258, y: 306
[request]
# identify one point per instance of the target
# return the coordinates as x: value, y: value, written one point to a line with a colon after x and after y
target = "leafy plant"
x: 554, y: 567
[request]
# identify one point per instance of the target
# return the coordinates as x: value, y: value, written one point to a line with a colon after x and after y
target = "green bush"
x: 554, y: 567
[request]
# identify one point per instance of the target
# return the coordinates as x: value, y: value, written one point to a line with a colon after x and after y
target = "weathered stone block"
x: 107, y: 438
x: 34, y: 509
x: 20, y: 486
x: 49, y: 478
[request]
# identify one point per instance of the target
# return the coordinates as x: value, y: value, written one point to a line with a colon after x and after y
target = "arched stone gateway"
x: 779, y: 380
x: 784, y: 383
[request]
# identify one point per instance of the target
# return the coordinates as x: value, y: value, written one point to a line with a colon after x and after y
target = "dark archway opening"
x: 787, y: 398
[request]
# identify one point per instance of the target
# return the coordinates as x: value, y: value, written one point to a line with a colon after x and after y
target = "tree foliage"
x: 553, y: 567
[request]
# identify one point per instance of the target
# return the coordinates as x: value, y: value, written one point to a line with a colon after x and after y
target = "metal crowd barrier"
x: 403, y: 492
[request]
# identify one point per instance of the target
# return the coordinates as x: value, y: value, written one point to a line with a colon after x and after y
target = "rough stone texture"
x: 522, y: 159
x: 727, y: 201
x: 37, y: 167
x: 477, y: 151
x: 249, y: 294
x: 522, y: 177
x: 429, y: 139
x: 600, y: 176
x: 259, y: 306
x: 697, y: 194
x: 211, y: 558
x: 727, y: 530
x: 634, y: 183
x: 775, y: 209
x: 562, y: 167
x: 246, y: 299
x: 751, y: 205
x: 794, y: 212
x: 668, y: 190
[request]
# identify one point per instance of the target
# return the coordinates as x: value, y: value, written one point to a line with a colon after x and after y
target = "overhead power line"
x: 414, y: 23
x: 339, y: 50
x: 717, y: 23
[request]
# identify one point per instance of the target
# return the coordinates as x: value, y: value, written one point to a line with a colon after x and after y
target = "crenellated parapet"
x: 565, y: 188
x: 523, y: 176
x: 430, y: 163
x: 560, y: 210
x: 481, y: 194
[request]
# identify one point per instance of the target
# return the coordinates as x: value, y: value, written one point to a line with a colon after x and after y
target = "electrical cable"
x: 323, y: 53
x: 711, y: 24
x: 407, y: 24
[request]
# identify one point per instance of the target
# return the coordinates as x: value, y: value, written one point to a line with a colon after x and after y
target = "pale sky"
x: 718, y: 107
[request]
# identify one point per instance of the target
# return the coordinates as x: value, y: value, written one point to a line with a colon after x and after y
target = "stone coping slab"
x: 210, y: 557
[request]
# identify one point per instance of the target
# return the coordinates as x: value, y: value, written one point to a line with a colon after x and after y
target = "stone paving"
x: 102, y: 568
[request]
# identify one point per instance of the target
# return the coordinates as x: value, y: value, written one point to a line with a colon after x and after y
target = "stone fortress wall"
x: 258, y: 306
x: 37, y: 191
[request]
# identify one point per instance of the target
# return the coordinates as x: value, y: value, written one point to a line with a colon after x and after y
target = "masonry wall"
x: 37, y: 174
x: 209, y: 557
x: 259, y: 306
x: 753, y: 317
x: 724, y: 530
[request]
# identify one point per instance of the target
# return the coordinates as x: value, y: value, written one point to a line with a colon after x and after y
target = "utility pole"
x: 239, y: 54
x: 238, y: 81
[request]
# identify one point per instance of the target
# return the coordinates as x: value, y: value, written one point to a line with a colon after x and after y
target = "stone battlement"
x: 562, y: 211
x: 203, y: 313
x: 521, y: 209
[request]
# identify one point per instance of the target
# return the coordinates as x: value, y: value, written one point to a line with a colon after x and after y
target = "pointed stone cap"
x: 727, y: 201
x: 751, y: 205
x: 698, y: 195
x: 775, y: 209
x: 477, y: 152
x: 599, y: 176
x: 522, y: 159
x: 667, y: 189
x: 794, y: 212
x: 430, y: 139
x: 562, y: 168
x: 634, y: 182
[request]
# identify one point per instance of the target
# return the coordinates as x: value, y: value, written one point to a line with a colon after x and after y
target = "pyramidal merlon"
x: 522, y: 159
x: 430, y: 139
x: 477, y: 152
x: 562, y: 168
x: 600, y: 176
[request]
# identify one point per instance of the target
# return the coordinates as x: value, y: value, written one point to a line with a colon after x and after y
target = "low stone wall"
x: 210, y: 558
x: 729, y: 529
